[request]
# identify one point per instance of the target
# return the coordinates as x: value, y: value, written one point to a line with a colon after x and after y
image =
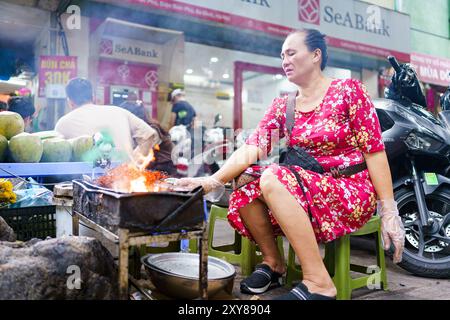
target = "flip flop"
x: 261, y: 280
x: 301, y: 292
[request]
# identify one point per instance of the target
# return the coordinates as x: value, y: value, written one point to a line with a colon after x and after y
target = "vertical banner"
x: 54, y: 73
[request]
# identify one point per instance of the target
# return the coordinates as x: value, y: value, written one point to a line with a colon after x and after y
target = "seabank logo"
x: 309, y: 11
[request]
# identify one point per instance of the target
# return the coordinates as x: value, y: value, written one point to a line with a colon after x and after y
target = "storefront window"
x: 209, y: 82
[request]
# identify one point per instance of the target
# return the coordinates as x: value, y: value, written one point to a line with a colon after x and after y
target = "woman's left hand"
x: 392, y: 229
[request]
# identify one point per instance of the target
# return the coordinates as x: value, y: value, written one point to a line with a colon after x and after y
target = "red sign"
x: 433, y: 70
x: 113, y: 72
x: 309, y: 11
x: 55, y: 71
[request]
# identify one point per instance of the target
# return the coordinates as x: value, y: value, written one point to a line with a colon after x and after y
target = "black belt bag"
x: 297, y: 156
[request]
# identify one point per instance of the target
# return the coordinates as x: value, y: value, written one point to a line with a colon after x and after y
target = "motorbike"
x: 418, y: 149
x: 181, y: 152
x: 215, y: 149
x: 217, y: 146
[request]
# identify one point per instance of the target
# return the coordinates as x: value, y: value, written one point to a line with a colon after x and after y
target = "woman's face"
x: 297, y: 60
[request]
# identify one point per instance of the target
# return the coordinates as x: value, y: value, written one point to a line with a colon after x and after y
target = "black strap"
x: 300, y: 184
x: 353, y: 169
x: 290, y: 111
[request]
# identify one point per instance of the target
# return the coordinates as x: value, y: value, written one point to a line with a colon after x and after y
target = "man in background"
x: 133, y: 105
x: 183, y: 113
x: 131, y: 135
x: 163, y: 158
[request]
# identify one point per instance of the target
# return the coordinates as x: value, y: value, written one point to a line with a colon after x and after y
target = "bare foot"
x: 327, y: 289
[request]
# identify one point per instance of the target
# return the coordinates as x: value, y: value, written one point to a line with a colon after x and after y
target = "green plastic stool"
x: 337, y: 262
x: 242, y: 252
x: 173, y: 246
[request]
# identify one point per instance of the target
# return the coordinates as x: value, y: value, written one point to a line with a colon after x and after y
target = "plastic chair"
x: 337, y: 262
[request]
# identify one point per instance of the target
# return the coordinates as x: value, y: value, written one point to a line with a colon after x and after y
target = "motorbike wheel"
x: 424, y: 255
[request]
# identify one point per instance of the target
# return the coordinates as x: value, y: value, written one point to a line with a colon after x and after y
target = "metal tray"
x: 177, y: 274
x: 186, y: 265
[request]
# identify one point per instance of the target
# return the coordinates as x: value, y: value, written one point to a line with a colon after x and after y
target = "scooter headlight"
x: 414, y: 141
x: 422, y: 142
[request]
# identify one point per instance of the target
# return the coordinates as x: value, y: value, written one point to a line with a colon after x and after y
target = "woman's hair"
x: 3, y: 106
x: 21, y: 105
x: 314, y: 40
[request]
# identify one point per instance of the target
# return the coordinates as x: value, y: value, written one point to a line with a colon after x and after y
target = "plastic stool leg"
x: 342, y: 269
x: 193, y: 245
x: 330, y: 258
x: 292, y: 272
x: 381, y: 261
x: 248, y: 257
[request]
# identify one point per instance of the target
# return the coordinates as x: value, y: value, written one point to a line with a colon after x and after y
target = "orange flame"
x: 132, y: 177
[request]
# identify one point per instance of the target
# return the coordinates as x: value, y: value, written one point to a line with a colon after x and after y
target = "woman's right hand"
x: 212, y: 187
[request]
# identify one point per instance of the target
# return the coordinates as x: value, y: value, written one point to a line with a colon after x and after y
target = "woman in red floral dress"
x: 335, y: 122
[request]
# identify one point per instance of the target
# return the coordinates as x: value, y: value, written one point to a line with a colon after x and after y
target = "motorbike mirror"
x: 394, y: 63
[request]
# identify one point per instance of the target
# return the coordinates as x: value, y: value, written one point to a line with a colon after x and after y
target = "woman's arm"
x: 240, y: 160
x: 392, y: 229
x: 380, y: 174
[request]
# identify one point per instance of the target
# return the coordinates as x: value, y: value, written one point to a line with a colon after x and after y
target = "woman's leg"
x: 257, y: 221
x: 297, y: 227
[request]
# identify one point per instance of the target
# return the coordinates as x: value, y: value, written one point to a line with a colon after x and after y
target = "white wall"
x: 78, y: 43
x: 370, y: 80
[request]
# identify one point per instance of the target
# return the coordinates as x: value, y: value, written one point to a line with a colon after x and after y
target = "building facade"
x: 226, y: 53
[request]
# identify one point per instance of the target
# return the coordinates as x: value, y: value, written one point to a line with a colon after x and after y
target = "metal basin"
x: 176, y: 274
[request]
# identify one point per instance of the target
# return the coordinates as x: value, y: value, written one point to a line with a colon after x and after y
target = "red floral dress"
x: 336, y: 133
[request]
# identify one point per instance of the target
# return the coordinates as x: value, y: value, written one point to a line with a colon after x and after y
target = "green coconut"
x: 3, y: 148
x: 56, y: 150
x: 11, y: 124
x: 48, y: 134
x: 25, y: 147
x: 80, y: 146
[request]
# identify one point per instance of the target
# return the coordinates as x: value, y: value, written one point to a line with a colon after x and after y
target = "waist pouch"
x: 297, y: 156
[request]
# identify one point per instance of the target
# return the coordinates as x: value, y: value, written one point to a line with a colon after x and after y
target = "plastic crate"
x: 31, y: 222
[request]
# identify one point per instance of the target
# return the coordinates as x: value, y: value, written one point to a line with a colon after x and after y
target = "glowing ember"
x: 138, y: 185
x: 128, y: 178
x: 132, y: 177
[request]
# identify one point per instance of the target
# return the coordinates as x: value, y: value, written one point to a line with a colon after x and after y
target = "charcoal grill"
x: 152, y: 212
x: 135, y: 219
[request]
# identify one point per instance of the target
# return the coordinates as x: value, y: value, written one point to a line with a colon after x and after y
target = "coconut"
x: 3, y: 148
x: 48, y: 134
x: 56, y: 150
x: 11, y: 124
x: 25, y: 147
x: 80, y: 146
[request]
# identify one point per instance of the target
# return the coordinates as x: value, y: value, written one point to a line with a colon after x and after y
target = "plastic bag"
x: 31, y: 195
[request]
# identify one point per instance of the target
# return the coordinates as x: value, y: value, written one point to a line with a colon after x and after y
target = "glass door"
x: 255, y: 88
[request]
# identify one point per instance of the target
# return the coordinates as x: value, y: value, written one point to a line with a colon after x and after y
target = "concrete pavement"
x: 401, y: 284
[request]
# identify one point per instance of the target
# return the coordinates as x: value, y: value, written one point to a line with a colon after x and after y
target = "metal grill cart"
x: 140, y: 219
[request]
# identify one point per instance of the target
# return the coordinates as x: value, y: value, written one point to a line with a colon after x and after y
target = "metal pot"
x: 176, y: 274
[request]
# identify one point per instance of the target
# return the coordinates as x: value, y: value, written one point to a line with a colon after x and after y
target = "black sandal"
x: 301, y: 292
x: 261, y: 280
